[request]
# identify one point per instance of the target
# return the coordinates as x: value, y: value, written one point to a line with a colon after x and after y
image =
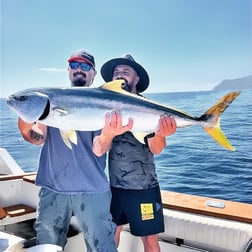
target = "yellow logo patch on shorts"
x: 147, y: 211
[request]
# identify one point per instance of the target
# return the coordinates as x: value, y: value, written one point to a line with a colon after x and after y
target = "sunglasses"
x: 84, y: 66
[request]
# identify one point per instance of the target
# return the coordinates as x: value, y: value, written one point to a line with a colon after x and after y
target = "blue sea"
x: 192, y: 162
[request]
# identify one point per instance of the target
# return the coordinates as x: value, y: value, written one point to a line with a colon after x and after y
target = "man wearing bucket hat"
x: 73, y: 180
x: 136, y: 197
x: 109, y: 71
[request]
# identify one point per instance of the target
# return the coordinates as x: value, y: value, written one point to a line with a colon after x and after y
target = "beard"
x: 126, y: 86
x: 79, y: 79
x: 79, y: 83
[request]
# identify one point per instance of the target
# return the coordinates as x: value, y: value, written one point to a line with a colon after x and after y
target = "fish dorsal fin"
x: 115, y: 86
x: 69, y: 137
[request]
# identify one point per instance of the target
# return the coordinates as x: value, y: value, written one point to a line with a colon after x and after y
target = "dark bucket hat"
x: 108, y: 68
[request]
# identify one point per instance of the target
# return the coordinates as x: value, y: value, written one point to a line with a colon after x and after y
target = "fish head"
x: 29, y: 106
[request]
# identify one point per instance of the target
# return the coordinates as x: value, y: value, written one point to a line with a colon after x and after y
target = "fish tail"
x: 213, y: 115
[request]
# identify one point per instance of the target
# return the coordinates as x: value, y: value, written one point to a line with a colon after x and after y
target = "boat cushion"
x: 206, y: 232
x: 18, y: 210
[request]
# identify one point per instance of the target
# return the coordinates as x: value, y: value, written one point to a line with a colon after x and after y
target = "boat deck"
x: 191, y: 224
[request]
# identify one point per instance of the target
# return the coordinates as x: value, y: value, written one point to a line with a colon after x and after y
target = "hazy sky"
x: 185, y: 45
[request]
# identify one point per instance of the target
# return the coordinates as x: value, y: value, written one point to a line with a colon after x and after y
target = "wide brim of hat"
x: 108, y: 68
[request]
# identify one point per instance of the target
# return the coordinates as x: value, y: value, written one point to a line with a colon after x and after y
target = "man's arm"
x: 113, y: 127
x: 167, y: 127
x: 32, y: 132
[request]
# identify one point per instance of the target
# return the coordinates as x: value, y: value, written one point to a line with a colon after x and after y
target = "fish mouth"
x: 37, y: 109
x: 13, y: 98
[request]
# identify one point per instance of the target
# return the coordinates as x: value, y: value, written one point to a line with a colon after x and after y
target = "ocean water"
x: 192, y: 162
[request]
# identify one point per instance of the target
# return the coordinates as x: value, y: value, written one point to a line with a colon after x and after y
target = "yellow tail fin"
x: 214, y: 112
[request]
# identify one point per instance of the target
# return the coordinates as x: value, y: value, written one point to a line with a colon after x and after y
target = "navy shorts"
x: 142, y: 209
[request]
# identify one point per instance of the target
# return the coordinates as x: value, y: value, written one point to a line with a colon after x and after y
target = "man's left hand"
x: 166, y: 127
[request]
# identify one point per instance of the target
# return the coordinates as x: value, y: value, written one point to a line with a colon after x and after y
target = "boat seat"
x: 200, y: 231
x: 18, y: 210
x: 16, y: 213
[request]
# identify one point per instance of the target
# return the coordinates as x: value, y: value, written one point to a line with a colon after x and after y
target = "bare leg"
x: 150, y: 243
x: 117, y: 234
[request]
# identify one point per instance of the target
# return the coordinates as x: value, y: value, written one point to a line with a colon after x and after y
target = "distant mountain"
x: 237, y: 84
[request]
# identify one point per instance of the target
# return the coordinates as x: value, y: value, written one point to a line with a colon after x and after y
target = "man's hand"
x: 113, y: 124
x: 113, y: 127
x: 166, y: 127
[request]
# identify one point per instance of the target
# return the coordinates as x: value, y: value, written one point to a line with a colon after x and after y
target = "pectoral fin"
x: 61, y: 111
x: 69, y: 137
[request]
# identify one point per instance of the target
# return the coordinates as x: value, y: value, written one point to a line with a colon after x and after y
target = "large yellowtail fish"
x: 84, y: 108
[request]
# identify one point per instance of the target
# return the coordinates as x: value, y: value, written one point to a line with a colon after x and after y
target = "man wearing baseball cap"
x: 81, y: 68
x: 72, y: 181
x: 136, y: 197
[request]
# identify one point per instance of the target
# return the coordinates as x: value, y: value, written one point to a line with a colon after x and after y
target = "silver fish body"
x: 84, y: 108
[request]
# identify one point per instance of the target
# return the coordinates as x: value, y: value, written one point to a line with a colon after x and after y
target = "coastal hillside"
x: 241, y: 83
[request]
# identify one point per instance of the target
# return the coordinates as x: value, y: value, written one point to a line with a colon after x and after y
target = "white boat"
x: 192, y: 223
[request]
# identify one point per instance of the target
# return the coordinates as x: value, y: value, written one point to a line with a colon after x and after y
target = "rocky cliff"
x: 237, y: 84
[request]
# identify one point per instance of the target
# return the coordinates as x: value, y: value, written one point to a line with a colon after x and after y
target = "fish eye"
x: 22, y: 98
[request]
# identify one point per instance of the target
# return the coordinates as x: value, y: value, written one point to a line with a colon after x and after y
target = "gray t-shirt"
x: 71, y: 171
x: 131, y: 164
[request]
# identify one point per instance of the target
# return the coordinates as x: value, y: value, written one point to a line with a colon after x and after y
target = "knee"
x: 151, y: 243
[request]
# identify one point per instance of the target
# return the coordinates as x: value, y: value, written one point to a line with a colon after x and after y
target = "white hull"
x: 190, y: 225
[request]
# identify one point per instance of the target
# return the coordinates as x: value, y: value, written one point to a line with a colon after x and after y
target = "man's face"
x: 81, y: 74
x: 129, y: 75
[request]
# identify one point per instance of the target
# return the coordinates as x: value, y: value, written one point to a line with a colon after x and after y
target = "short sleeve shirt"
x: 73, y: 170
x: 131, y: 164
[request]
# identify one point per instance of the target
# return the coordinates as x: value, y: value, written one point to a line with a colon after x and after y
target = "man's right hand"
x: 113, y: 124
x: 113, y: 127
